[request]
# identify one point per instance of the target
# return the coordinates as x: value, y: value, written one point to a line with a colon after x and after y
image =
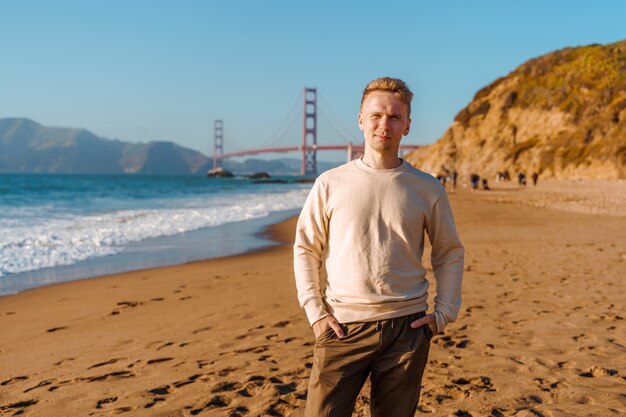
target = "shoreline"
x: 234, y: 238
x: 273, y: 233
x: 541, y: 300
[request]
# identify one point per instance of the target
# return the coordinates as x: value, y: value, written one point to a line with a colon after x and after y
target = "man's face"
x: 384, y: 119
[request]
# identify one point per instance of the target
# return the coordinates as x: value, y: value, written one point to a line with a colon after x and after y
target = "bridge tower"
x: 309, y: 131
x: 218, y: 143
x: 354, y: 152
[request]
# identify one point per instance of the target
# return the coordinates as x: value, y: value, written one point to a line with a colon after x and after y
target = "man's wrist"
x: 315, y: 310
x: 318, y: 321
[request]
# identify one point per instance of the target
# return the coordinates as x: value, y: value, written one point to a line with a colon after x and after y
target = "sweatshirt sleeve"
x: 447, y: 259
x: 310, y: 243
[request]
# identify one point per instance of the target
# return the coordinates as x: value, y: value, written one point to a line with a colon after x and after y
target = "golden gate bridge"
x: 308, y: 148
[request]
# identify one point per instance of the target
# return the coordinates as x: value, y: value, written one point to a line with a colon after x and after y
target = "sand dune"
x: 541, y: 332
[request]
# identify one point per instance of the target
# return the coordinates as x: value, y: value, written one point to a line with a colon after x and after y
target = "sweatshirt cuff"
x: 315, y: 310
x: 441, y: 321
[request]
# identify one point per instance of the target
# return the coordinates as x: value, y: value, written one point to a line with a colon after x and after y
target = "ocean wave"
x: 68, y: 238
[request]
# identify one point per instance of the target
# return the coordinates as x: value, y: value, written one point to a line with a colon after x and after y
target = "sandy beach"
x: 541, y: 330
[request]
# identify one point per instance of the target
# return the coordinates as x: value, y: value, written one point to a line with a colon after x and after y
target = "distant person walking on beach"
x: 535, y: 177
x: 521, y: 179
x: 474, y: 179
x: 359, y: 271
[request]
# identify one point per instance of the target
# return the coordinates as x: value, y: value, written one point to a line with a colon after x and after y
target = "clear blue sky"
x: 164, y: 70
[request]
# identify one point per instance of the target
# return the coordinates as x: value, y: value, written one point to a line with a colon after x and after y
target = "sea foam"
x: 31, y: 239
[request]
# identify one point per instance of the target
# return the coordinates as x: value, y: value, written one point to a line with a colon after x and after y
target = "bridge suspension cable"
x: 342, y: 135
x: 347, y: 135
x: 286, y: 124
x: 233, y: 143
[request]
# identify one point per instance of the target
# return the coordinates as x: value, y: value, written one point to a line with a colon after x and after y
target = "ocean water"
x: 59, y: 227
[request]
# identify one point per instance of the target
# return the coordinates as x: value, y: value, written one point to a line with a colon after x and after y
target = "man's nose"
x: 384, y: 122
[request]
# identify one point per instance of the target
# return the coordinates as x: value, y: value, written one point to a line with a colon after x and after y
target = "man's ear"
x: 408, y: 127
x: 360, y: 120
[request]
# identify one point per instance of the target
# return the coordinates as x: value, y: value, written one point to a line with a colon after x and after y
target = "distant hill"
x: 562, y: 114
x: 29, y: 147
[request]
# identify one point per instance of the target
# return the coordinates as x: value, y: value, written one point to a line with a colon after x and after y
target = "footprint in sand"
x: 129, y: 304
x: 478, y: 383
x: 535, y: 399
x: 43, y: 383
x: 283, y: 389
x: 550, y: 385
x: 62, y: 361
x: 264, y: 358
x: 218, y: 401
x: 109, y: 362
x: 597, y: 371
x: 226, y: 371
x: 165, y: 345
x: 105, y: 401
x: 530, y: 412
x: 13, y: 380
x: 280, y: 408
x: 56, y: 329
x: 227, y: 386
x: 238, y: 411
x: 154, y: 401
x: 158, y: 360
x: 252, y: 385
x: 123, y: 305
x: 110, y: 375
x: 449, y: 341
x: 254, y: 349
x: 204, y: 363
x: 187, y: 381
x: 202, y: 329
x: 19, y: 406
x: 164, y: 390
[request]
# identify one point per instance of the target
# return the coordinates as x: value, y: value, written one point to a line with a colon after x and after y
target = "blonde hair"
x: 392, y: 85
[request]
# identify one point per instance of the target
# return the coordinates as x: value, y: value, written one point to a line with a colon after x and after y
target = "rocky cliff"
x: 562, y: 114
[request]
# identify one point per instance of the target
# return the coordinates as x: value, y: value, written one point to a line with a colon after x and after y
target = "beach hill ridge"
x: 562, y: 115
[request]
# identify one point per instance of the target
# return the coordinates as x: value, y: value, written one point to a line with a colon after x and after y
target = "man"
x: 359, y: 272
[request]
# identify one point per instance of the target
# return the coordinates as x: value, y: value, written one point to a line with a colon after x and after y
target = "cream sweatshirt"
x: 360, y: 240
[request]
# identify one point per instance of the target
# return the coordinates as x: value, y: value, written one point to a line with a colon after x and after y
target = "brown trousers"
x: 390, y: 352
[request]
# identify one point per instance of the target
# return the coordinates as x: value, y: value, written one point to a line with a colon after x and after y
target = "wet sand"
x: 541, y: 330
